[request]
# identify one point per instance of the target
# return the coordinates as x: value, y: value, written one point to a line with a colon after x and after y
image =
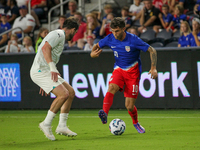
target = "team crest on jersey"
x: 127, y: 48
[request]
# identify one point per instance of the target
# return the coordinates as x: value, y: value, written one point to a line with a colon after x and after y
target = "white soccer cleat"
x: 65, y: 131
x: 47, y: 131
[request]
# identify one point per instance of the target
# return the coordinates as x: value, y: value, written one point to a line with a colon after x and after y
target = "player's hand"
x: 54, y: 76
x: 42, y: 92
x: 153, y: 73
x: 96, y: 53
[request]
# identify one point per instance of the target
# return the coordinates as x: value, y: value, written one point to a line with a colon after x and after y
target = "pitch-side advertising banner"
x: 177, y: 85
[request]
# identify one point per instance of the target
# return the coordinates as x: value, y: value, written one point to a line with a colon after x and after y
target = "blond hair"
x: 187, y: 26
x: 28, y: 37
x: 95, y: 23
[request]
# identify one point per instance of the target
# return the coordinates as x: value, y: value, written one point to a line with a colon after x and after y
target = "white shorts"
x: 43, y: 80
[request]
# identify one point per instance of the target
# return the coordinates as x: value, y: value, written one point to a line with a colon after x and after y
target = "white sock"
x: 49, y: 118
x: 63, y: 119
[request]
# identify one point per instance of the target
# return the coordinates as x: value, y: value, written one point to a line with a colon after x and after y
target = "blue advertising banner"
x: 10, y: 83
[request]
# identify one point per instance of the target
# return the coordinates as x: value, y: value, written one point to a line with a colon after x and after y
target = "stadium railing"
x: 2, y: 48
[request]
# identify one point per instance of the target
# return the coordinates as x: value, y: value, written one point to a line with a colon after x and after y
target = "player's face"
x: 71, y: 34
x: 118, y: 33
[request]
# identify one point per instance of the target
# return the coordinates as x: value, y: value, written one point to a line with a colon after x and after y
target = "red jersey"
x: 36, y: 2
x: 107, y: 29
x: 80, y: 32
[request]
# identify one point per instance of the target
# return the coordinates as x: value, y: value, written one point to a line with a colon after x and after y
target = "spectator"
x: 13, y: 46
x: 125, y: 16
x: 188, y: 5
x: 107, y: 10
x: 26, y: 22
x: 149, y: 17
x: 90, y: 43
x: 98, y: 16
x: 12, y: 12
x: 165, y: 17
x: 159, y: 3
x: 72, y: 5
x: 61, y: 20
x: 105, y: 27
x: 41, y: 35
x: 27, y: 45
x: 194, y: 37
x: 37, y: 11
x: 78, y: 37
x: 184, y: 32
x: 135, y: 9
x: 22, y: 2
x: 133, y: 30
x: 3, y: 38
x: 93, y: 28
x: 4, y: 23
x: 178, y: 18
x: 197, y: 7
x: 3, y: 6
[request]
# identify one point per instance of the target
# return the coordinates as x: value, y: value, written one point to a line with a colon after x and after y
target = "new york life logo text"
x: 10, y: 84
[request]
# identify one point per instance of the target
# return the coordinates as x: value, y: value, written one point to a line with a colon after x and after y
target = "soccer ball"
x: 117, y: 126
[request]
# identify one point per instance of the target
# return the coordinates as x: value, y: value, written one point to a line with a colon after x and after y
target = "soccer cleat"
x: 65, y: 131
x: 47, y: 131
x: 103, y: 116
x: 139, y: 128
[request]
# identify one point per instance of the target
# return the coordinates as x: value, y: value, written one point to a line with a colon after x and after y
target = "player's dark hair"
x: 117, y: 22
x: 71, y: 23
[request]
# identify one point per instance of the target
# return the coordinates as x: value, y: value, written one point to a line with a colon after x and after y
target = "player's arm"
x: 153, y: 56
x: 46, y: 49
x: 96, y: 51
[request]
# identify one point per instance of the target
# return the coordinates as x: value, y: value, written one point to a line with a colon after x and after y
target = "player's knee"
x: 65, y: 95
x: 113, y: 88
x: 72, y: 94
x: 129, y: 107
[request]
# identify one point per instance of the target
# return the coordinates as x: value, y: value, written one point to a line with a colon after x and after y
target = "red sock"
x: 134, y: 115
x: 107, y: 102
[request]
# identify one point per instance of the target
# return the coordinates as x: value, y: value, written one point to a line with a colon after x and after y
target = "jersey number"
x: 115, y: 54
x: 135, y: 89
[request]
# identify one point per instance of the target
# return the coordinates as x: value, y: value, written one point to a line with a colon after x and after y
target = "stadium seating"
x: 172, y: 44
x: 164, y: 36
x: 157, y: 44
x: 148, y: 36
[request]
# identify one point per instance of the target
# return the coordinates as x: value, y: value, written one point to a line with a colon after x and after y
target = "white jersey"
x: 136, y: 9
x: 56, y: 39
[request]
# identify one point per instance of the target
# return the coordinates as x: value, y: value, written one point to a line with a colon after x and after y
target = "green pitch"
x: 165, y: 130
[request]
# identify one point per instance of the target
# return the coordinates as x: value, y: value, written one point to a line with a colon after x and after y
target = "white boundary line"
x: 146, y: 117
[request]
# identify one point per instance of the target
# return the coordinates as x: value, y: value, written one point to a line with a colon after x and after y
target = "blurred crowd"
x: 180, y: 18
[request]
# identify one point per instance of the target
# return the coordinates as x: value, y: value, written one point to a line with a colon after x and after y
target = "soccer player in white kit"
x: 45, y: 74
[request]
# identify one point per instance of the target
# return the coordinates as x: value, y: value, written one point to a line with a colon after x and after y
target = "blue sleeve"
x: 9, y: 26
x: 174, y: 19
x: 179, y: 40
x: 128, y: 21
x: 198, y: 2
x: 104, y: 42
x: 140, y: 45
x: 182, y: 1
x: 96, y: 31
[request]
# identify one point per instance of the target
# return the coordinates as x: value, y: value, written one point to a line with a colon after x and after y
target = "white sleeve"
x: 30, y: 21
x: 54, y: 38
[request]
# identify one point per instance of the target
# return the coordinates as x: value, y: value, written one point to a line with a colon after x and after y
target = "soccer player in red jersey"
x: 127, y: 68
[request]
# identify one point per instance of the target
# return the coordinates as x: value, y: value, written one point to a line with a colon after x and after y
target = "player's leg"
x: 132, y: 110
x: 62, y: 94
x: 108, y: 101
x: 64, y: 112
x: 116, y: 83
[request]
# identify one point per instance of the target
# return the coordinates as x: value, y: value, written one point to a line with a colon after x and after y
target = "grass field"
x: 165, y: 130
